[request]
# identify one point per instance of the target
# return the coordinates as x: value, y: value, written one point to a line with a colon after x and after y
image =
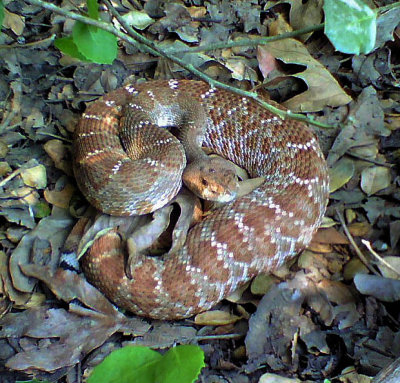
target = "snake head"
x: 212, y: 178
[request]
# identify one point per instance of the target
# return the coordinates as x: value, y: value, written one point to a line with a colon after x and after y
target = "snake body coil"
x: 120, y: 173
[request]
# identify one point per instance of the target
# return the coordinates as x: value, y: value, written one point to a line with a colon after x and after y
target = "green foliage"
x: 89, y: 43
x: 1, y: 13
x: 138, y: 364
x: 350, y: 25
x: 93, y: 9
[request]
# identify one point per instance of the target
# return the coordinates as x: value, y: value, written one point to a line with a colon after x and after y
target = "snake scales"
x: 121, y: 173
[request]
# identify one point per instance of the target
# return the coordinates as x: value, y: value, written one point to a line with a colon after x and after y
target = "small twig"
x: 372, y: 161
x: 28, y: 45
x: 55, y: 136
x: 353, y: 243
x: 87, y: 20
x: 15, y: 173
x: 218, y: 337
x: 147, y: 46
x: 379, y: 258
x: 250, y: 42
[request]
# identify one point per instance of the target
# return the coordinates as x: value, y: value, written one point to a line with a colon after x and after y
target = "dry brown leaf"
x: 5, y: 168
x: 262, y: 283
x: 58, y: 152
x: 60, y: 198
x: 353, y: 267
x: 279, y: 320
x: 375, y: 178
x: 13, y: 21
x: 346, y: 315
x: 318, y: 247
x: 66, y: 336
x: 51, y: 231
x: 330, y: 236
x: 19, y: 298
x: 215, y: 318
x: 340, y: 173
x: 360, y: 229
x: 35, y: 176
x: 303, y: 14
x: 350, y: 215
x: 25, y: 195
x: 336, y: 292
x: 323, y: 89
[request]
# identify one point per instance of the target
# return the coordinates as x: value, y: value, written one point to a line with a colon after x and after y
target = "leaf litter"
x: 317, y: 318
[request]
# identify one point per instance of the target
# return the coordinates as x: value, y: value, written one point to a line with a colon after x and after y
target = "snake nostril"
x: 204, y: 182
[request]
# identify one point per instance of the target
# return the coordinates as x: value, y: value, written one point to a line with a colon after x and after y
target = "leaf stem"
x: 388, y: 7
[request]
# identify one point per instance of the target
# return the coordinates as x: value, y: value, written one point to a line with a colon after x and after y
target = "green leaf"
x: 95, y: 44
x: 138, y: 364
x: 93, y: 9
x: 350, y: 25
x: 67, y: 46
x: 1, y: 13
x: 131, y: 364
x: 180, y: 364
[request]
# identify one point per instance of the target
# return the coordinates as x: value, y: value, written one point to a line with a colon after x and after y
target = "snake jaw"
x: 225, y: 196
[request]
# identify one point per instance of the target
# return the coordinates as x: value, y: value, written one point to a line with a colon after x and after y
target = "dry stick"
x: 146, y: 46
x: 367, y: 244
x: 356, y: 248
x: 28, y: 45
x: 370, y: 160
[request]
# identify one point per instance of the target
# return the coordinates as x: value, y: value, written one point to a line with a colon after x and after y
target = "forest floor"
x: 330, y: 316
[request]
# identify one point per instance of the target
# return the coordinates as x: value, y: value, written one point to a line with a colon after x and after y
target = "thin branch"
x: 213, y: 83
x: 353, y: 243
x: 28, y: 45
x: 250, y: 42
x: 12, y: 175
x: 147, y: 46
x: 87, y: 20
x: 370, y: 160
x: 379, y: 258
x: 388, y: 7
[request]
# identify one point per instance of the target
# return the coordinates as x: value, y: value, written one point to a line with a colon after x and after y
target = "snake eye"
x: 211, y: 170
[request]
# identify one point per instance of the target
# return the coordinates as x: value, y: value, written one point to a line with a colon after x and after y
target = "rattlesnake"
x: 255, y: 233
